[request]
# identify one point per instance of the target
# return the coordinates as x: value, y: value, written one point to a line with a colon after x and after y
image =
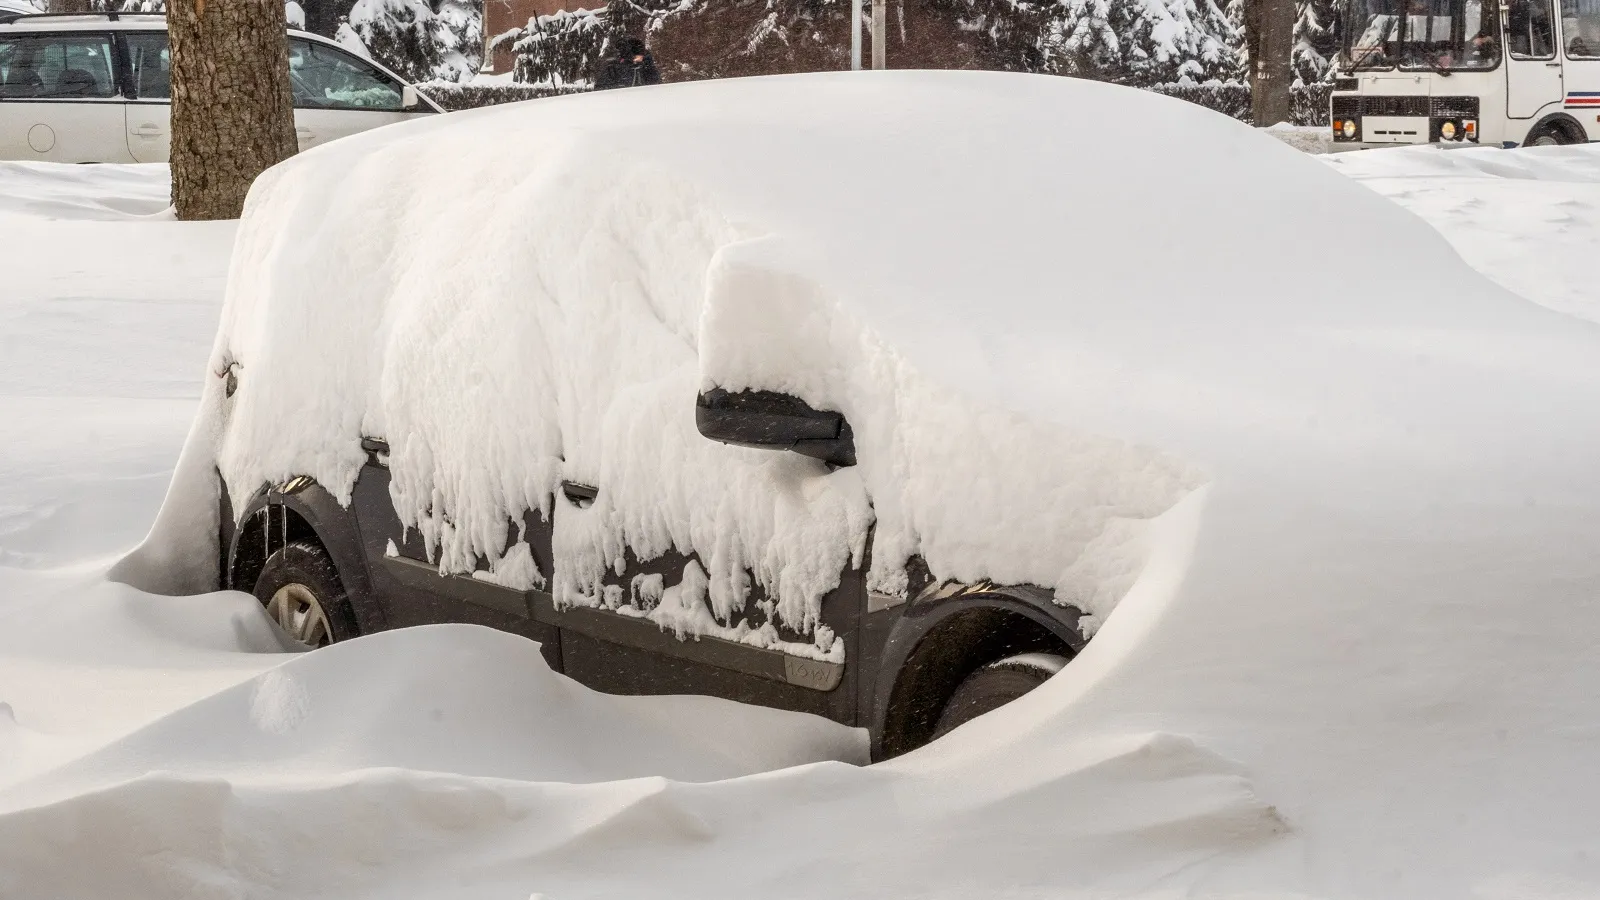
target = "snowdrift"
x: 1347, y: 523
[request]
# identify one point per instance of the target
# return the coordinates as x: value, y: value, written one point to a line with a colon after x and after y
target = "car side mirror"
x: 409, y: 100
x: 772, y: 421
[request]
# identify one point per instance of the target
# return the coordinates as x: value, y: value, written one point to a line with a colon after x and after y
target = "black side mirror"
x: 773, y: 421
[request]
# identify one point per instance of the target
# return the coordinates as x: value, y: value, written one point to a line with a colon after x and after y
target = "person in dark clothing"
x: 632, y: 66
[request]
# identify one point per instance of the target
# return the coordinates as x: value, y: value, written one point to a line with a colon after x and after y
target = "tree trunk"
x: 232, y: 113
x: 1269, y: 41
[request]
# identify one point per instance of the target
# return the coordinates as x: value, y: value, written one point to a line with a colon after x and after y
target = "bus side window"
x: 1581, y: 25
x: 1530, y: 30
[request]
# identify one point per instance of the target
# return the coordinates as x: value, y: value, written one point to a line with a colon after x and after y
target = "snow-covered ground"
x: 167, y: 746
x: 1530, y: 219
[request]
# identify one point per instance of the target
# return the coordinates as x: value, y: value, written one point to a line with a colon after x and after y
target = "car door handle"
x: 149, y: 131
x: 579, y: 495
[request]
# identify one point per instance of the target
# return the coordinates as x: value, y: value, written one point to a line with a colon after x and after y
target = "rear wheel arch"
x: 1564, y: 128
x: 942, y: 645
x: 303, y: 511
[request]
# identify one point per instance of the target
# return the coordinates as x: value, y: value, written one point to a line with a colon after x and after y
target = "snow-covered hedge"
x: 1233, y: 98
x: 1230, y: 98
x: 453, y: 96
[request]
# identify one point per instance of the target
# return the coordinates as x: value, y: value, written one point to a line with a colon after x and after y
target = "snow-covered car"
x: 867, y: 395
x: 95, y: 88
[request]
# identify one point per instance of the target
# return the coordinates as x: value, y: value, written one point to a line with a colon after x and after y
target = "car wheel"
x: 301, y: 590
x: 995, y: 685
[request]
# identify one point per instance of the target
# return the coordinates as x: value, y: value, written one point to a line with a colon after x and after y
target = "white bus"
x: 1496, y: 72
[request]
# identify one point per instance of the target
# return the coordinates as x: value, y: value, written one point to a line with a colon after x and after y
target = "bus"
x: 1459, y: 72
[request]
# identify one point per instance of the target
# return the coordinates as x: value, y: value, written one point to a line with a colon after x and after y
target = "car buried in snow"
x: 657, y: 380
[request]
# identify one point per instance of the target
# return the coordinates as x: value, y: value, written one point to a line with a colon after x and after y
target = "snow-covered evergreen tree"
x: 1316, y: 41
x: 562, y: 49
x: 422, y: 39
x: 1141, y: 42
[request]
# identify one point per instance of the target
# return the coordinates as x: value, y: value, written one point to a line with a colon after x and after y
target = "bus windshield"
x: 1437, y: 35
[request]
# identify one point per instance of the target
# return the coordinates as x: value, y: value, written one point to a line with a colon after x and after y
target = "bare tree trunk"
x: 232, y: 113
x: 1269, y: 41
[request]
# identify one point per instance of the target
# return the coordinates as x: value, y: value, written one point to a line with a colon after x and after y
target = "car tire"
x: 301, y: 590
x: 995, y: 685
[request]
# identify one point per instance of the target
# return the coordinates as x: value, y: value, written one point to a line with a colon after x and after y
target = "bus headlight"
x: 1347, y: 128
x: 1447, y: 131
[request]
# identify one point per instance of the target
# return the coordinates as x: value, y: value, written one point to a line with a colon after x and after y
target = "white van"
x: 95, y: 88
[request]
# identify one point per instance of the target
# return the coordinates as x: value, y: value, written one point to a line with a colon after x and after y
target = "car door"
x: 650, y: 625
x: 406, y: 576
x: 336, y: 94
x: 59, y: 98
x: 149, y: 110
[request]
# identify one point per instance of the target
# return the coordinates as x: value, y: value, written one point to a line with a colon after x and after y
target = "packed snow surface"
x: 1357, y: 662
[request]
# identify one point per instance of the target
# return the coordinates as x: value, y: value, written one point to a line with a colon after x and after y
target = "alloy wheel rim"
x: 296, y: 609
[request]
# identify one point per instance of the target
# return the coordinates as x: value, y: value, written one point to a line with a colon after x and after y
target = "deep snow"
x: 1397, y: 702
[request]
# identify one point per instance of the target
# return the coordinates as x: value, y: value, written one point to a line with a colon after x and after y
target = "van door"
x: 59, y: 99
x: 1533, y: 72
x: 1580, y: 31
x: 336, y: 94
x: 149, y: 110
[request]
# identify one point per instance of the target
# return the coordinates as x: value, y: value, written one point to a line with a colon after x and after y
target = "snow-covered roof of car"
x: 39, y: 21
x: 1059, y: 256
x: 34, y: 20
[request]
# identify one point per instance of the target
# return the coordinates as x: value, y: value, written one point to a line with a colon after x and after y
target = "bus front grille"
x: 1394, y: 106
x: 1455, y: 107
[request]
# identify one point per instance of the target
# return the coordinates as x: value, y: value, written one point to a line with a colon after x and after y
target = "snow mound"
x: 108, y: 191
x: 384, y: 702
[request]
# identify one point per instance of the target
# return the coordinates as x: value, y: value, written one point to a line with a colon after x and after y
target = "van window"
x: 1530, y: 30
x: 1580, y: 23
x: 150, y: 63
x: 325, y: 78
x: 56, y: 67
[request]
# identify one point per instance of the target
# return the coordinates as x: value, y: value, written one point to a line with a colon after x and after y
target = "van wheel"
x: 301, y: 590
x: 1547, y: 137
x: 995, y: 685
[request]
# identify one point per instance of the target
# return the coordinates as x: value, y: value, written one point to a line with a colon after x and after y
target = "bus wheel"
x: 1551, y: 135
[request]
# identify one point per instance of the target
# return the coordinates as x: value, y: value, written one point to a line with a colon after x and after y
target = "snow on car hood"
x: 1342, y: 485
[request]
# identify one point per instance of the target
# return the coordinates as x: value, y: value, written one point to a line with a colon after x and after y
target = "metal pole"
x: 880, y: 33
x: 855, y: 35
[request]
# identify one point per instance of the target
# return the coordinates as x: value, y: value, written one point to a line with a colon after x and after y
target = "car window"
x: 325, y: 78
x: 150, y: 64
x: 56, y: 67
